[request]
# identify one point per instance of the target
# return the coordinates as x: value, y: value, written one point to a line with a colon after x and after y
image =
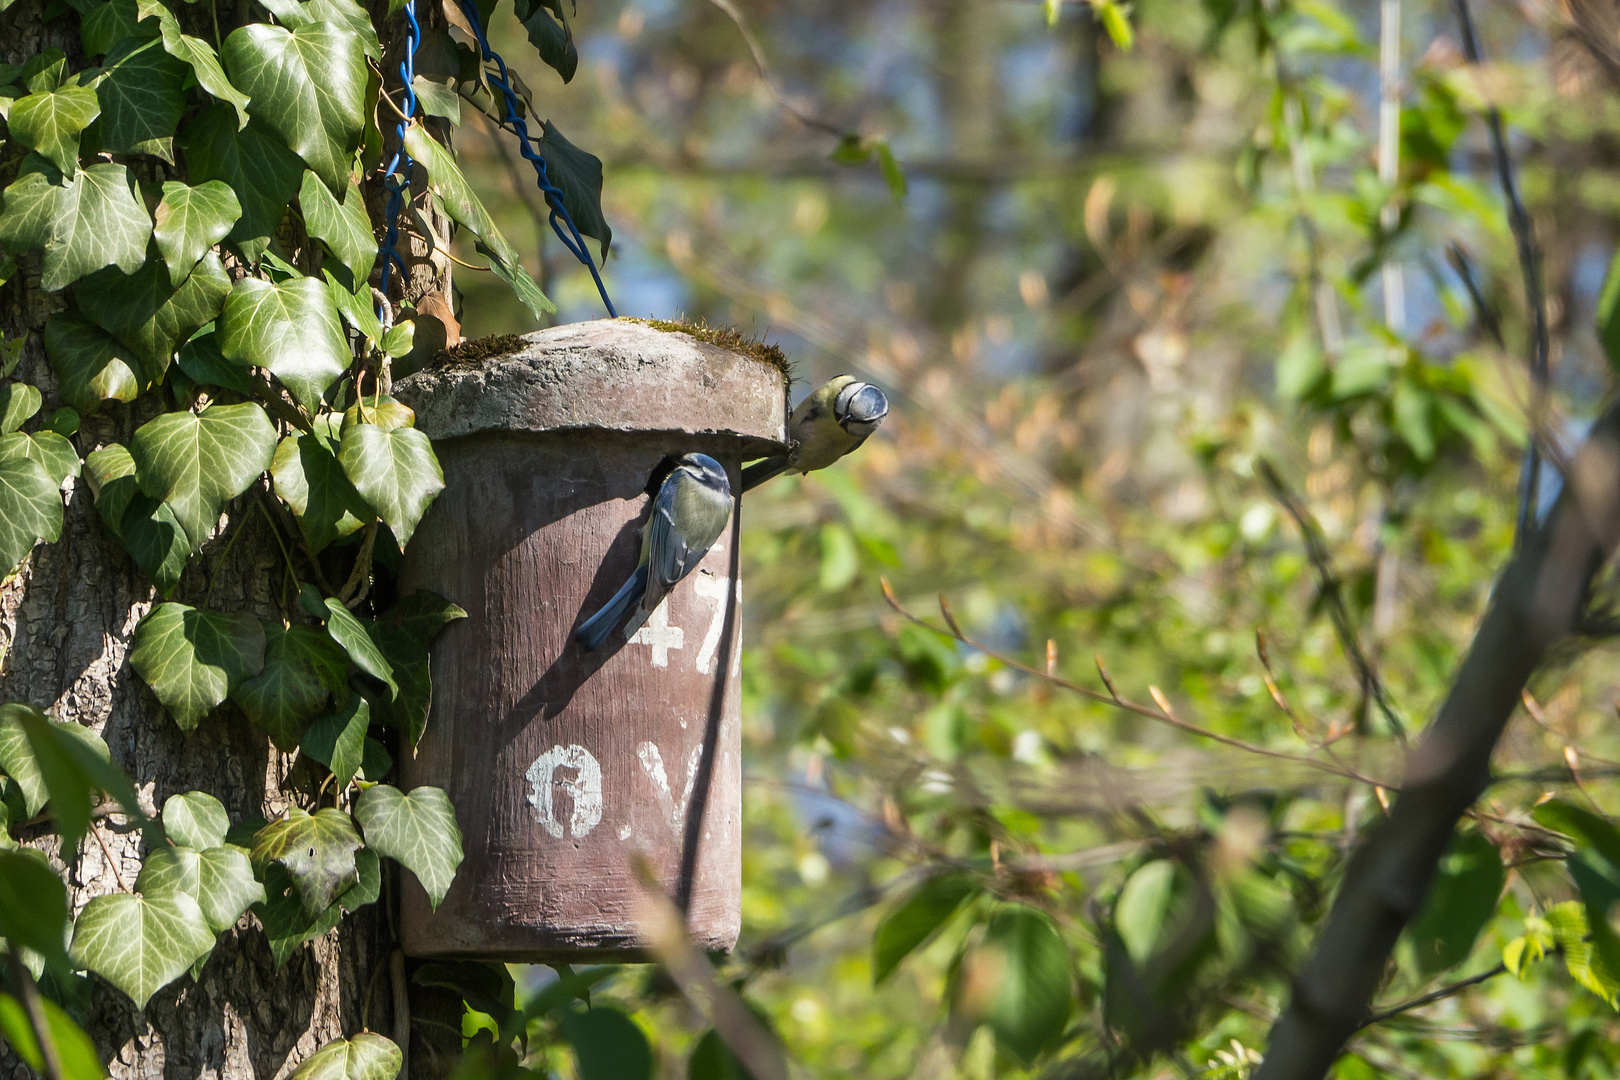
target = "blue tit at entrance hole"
x: 689, y: 513
x: 828, y: 424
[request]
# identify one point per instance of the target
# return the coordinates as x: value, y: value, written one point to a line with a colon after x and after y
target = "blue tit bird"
x: 828, y: 424
x: 689, y: 513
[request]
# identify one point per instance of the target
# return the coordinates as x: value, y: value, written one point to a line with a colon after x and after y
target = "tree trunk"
x: 66, y: 621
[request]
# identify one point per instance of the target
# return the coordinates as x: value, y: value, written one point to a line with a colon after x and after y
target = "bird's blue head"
x: 706, y: 470
x: 860, y: 408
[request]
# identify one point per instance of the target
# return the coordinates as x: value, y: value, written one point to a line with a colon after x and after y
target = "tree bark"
x: 66, y: 621
x: 1539, y: 600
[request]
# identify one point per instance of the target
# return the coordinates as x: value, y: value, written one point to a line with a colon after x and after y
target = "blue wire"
x: 571, y: 238
x: 393, y: 182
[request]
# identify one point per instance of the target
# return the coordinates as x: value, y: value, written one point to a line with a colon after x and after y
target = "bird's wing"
x: 702, y: 513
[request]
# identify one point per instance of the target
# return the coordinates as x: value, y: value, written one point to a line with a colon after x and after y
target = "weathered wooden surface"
x: 565, y: 766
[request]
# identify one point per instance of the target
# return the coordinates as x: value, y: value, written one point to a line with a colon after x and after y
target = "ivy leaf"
x: 203, y: 363
x: 197, y: 462
x: 142, y: 97
x: 403, y: 633
x: 917, y: 919
x: 91, y: 365
x: 54, y: 453
x: 291, y: 329
x: 356, y: 308
x: 33, y: 905
x: 346, y: 13
x: 190, y: 220
x: 193, y: 659
x: 579, y: 174
x: 110, y: 23
x: 1018, y: 981
x: 282, y: 915
x: 50, y: 123
x: 437, y: 96
x: 418, y: 831
x: 111, y: 472
x: 351, y: 634
x: 338, y: 740
x: 309, y: 86
x: 547, y: 24
x: 18, y: 402
x: 140, y: 944
x: 317, y: 851
x: 61, y: 763
x: 367, y: 1056
x: 30, y: 510
x: 219, y: 878
x: 154, y: 539
x: 195, y: 819
x: 204, y: 65
x: 310, y: 480
x: 382, y: 410
x: 395, y: 471
x: 252, y: 163
x: 303, y: 667
x: 463, y: 207
x: 150, y: 315
x: 343, y: 226
x: 94, y: 220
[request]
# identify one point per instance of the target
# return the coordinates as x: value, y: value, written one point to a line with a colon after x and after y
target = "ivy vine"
x: 202, y: 203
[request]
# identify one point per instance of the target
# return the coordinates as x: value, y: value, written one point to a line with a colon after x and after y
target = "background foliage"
x: 1181, y: 383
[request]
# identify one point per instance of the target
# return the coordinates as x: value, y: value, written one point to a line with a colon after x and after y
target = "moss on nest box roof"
x: 473, y: 350
x: 726, y: 337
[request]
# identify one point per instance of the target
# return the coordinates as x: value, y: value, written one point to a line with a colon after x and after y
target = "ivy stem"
x: 320, y: 575
x: 106, y: 853
x: 35, y: 1008
x: 362, y: 566
x: 241, y: 526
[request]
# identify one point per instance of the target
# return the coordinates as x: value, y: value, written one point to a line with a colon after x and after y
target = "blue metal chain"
x: 397, y: 177
x: 570, y: 237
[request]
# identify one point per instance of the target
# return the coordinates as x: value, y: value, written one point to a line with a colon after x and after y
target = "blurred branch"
x: 34, y: 1008
x: 1537, y: 602
x: 1316, y: 551
x: 664, y: 932
x: 1160, y: 712
x: 769, y: 77
x: 1530, y: 266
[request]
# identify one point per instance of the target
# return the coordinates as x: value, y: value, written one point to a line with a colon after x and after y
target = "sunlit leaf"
x: 50, y: 123
x: 367, y: 1056
x: 344, y: 227
x: 195, y: 819
x: 395, y: 471
x: 19, y: 401
x: 96, y: 219
x: 205, y: 66
x: 140, y: 944
x: 150, y: 315
x: 338, y: 739
x: 309, y: 85
x: 190, y: 220
x: 310, y: 480
x: 253, y: 163
x: 291, y: 329
x: 418, y: 831
x: 74, y: 1049
x: 91, y: 365
x: 196, y: 463
x: 142, y: 98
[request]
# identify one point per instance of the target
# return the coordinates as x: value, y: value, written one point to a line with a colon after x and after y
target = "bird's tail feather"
x: 763, y: 470
x: 595, y: 630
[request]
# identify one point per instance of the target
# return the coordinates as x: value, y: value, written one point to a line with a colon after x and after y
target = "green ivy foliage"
x: 202, y: 208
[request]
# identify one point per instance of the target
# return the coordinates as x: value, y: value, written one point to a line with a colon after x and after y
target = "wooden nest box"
x: 568, y: 768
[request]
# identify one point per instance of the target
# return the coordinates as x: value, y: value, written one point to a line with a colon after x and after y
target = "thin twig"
x: 34, y: 1006
x: 1430, y: 998
x: 1524, y: 241
x: 1316, y: 551
x: 769, y: 78
x: 1163, y: 716
x: 106, y: 853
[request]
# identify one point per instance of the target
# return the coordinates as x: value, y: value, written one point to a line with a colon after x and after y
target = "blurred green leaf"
x: 917, y: 918
x: 1462, y: 898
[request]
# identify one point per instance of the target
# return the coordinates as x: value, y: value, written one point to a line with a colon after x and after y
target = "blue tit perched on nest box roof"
x: 828, y: 424
x: 689, y: 513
